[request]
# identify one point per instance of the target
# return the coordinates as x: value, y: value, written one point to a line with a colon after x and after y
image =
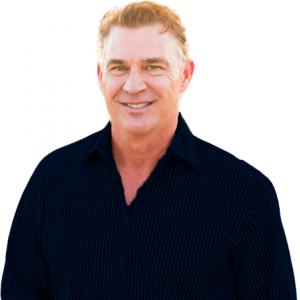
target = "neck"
x: 141, y: 152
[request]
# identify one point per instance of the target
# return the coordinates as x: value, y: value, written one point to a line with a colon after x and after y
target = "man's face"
x: 142, y: 77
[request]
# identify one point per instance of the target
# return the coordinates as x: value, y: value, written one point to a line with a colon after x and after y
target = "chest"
x: 172, y: 240
x: 167, y: 244
x: 131, y: 183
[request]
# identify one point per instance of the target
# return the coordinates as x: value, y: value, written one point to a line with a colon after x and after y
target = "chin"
x: 138, y: 127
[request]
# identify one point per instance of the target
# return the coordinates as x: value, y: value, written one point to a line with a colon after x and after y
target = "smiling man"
x: 142, y: 76
x: 143, y: 209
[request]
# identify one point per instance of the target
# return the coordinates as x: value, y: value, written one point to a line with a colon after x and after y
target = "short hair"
x: 137, y: 14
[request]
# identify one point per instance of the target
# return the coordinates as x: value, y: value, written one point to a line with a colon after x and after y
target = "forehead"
x: 140, y: 43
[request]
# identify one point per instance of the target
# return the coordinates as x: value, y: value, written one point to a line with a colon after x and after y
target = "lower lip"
x: 137, y: 110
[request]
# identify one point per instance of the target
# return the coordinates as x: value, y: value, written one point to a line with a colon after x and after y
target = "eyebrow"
x: 151, y: 60
x: 115, y: 62
x: 157, y: 60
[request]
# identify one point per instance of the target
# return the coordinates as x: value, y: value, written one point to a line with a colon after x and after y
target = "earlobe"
x: 100, y: 76
x: 99, y: 72
x: 187, y: 74
x: 189, y: 69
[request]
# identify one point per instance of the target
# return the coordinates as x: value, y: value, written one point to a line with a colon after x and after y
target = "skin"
x: 142, y: 65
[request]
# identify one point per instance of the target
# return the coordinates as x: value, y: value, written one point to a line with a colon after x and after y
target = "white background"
x: 244, y: 96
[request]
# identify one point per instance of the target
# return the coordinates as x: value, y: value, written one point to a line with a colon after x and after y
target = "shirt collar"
x: 183, y: 145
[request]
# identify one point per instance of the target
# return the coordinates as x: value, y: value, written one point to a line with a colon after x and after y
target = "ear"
x: 187, y: 75
x: 100, y: 76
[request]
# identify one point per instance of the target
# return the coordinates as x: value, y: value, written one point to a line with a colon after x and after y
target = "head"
x: 143, y: 63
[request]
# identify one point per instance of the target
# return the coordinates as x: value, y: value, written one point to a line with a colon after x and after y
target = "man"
x: 143, y: 209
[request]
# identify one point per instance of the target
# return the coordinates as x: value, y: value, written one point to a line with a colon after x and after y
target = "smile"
x: 137, y: 105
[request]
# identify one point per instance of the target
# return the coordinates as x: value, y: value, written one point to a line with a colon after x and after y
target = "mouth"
x: 137, y: 106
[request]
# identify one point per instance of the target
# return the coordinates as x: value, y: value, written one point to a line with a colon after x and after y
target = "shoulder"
x: 221, y: 162
x: 249, y: 194
x: 249, y: 188
x: 67, y: 156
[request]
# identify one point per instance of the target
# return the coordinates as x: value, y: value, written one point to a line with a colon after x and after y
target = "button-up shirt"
x: 203, y: 225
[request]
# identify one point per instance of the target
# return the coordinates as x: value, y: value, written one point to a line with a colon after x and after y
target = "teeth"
x: 139, y: 105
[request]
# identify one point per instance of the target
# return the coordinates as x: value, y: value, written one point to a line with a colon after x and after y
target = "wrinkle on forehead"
x: 136, y: 44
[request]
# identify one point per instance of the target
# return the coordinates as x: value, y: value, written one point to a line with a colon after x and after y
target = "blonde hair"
x: 137, y: 14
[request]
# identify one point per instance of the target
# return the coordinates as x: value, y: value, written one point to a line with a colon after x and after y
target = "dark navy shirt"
x: 204, y: 225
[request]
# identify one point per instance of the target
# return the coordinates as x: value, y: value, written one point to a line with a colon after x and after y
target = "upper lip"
x: 141, y: 102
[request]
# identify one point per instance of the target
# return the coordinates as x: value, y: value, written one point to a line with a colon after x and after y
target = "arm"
x: 264, y: 268
x: 25, y: 274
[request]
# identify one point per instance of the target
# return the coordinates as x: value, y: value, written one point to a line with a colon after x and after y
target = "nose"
x: 134, y: 82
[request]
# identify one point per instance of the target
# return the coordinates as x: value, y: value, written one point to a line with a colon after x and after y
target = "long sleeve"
x: 204, y: 225
x: 25, y: 274
x: 264, y: 264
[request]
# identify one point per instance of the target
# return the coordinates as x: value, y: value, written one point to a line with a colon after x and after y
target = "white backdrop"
x: 244, y: 96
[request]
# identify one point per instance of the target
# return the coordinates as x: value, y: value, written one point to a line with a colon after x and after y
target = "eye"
x: 118, y: 69
x: 153, y: 67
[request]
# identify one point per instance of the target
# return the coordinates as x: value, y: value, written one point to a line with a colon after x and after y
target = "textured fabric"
x: 204, y: 225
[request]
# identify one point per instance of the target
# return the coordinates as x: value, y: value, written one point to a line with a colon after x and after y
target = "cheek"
x: 166, y: 86
x: 111, y: 87
x: 160, y: 84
